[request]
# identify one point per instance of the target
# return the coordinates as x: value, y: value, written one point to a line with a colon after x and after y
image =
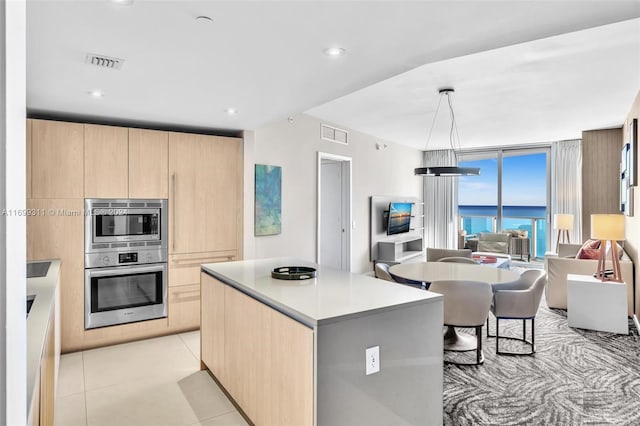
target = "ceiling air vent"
x: 104, y: 61
x: 334, y: 134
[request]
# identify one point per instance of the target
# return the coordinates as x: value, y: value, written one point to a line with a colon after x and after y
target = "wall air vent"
x: 104, y: 61
x: 334, y: 134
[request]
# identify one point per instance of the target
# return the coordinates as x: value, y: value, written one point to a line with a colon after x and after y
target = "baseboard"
x: 635, y: 320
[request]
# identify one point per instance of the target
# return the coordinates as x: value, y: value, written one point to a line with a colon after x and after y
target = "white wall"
x: 294, y: 146
x: 12, y: 228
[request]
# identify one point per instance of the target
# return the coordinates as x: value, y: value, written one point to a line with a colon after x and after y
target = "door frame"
x: 346, y: 162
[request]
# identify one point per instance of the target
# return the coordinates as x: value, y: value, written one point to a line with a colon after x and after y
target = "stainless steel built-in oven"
x: 125, y: 261
x: 125, y: 294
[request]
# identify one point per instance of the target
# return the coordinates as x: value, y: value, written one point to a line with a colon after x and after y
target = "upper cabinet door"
x: 56, y: 159
x: 205, y: 209
x: 106, y: 161
x: 148, y: 163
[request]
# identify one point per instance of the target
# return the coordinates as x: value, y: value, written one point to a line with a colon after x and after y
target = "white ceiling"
x: 265, y: 59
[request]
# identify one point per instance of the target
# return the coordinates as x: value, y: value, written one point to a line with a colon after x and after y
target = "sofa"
x: 558, y: 265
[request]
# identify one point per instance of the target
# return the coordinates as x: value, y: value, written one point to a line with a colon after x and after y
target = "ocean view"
x: 479, y: 218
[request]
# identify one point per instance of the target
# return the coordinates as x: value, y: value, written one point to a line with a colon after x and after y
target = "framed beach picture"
x: 268, y: 200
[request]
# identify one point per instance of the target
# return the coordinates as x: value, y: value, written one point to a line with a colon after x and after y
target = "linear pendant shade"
x: 447, y: 171
x: 453, y: 170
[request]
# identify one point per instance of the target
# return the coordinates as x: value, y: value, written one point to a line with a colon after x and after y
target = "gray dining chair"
x: 382, y: 272
x: 466, y: 304
x: 434, y: 254
x: 458, y: 259
x: 518, y: 300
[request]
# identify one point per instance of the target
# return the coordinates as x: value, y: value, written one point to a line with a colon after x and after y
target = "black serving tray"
x: 293, y: 273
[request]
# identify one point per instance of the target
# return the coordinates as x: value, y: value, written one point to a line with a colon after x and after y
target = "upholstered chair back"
x: 466, y: 303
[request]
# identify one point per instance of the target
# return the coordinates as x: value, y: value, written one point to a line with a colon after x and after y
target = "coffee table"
x: 488, y: 259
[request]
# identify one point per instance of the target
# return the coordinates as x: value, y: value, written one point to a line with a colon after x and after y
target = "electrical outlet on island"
x: 372, y: 360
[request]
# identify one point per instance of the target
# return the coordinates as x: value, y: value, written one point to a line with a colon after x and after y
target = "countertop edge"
x: 304, y: 319
x: 286, y: 310
x: 38, y: 322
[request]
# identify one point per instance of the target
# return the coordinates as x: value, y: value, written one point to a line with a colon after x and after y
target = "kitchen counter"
x: 338, y: 349
x: 38, y: 322
x: 332, y: 296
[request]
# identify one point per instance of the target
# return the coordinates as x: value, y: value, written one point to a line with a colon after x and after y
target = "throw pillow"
x: 589, y: 250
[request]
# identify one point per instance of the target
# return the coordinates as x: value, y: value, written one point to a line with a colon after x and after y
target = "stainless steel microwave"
x: 117, y: 224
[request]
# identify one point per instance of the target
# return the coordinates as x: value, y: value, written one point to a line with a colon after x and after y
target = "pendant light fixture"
x: 453, y: 170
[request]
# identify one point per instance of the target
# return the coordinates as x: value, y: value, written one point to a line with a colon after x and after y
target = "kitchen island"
x: 338, y: 349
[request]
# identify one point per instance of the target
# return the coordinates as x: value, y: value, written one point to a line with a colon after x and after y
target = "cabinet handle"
x: 173, y: 210
x: 199, y: 260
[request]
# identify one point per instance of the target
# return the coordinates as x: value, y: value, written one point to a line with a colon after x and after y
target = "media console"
x: 400, y: 248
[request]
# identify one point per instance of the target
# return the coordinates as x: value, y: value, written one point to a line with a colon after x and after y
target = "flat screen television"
x: 399, y: 218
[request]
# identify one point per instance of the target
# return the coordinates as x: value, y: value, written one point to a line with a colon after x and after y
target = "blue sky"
x: 524, y: 181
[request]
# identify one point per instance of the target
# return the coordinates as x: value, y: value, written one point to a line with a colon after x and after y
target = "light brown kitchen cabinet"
x: 263, y: 358
x: 57, y: 157
x: 247, y: 354
x: 48, y: 375
x: 57, y: 233
x: 183, y: 311
x: 212, y: 325
x: 184, y: 269
x: 28, y: 156
x: 106, y: 161
x: 205, y: 193
x: 148, y: 163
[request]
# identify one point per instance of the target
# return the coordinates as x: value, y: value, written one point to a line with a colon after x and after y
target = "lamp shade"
x: 607, y: 227
x: 563, y: 221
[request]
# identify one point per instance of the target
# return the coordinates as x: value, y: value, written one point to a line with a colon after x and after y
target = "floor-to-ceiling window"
x: 510, y: 193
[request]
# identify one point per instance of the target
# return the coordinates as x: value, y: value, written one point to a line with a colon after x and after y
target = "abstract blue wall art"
x: 268, y: 203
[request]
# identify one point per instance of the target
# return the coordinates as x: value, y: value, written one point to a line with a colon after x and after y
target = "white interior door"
x: 334, y: 213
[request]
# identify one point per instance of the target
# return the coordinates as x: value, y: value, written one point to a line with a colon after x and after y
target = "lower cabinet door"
x: 184, y: 307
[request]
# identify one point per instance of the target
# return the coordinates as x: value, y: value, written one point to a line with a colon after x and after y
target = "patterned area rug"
x: 576, y: 377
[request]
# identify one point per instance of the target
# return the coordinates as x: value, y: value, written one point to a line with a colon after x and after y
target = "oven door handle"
x: 120, y: 270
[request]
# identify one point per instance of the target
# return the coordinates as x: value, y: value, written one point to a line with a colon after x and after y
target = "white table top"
x: 439, y: 271
x: 332, y: 296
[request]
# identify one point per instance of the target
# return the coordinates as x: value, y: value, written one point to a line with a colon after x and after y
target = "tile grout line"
x: 84, y: 385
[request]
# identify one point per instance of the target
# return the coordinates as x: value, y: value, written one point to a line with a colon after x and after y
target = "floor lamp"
x: 564, y: 223
x: 608, y: 227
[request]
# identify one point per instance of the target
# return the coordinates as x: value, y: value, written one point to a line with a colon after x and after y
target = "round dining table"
x: 429, y: 272
x: 439, y: 271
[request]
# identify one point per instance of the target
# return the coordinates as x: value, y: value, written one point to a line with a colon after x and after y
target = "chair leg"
x: 524, y: 338
x: 479, y: 344
x: 533, y: 335
x: 488, y: 326
x: 497, y: 334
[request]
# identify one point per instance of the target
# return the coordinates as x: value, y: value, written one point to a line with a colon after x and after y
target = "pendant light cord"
x: 453, y: 133
x: 433, y: 123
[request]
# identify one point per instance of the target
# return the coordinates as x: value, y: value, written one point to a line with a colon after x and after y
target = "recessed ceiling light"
x: 204, y: 19
x: 123, y: 2
x: 96, y: 93
x: 334, y: 52
x: 231, y: 111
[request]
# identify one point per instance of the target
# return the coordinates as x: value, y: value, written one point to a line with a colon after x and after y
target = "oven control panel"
x: 114, y: 258
x: 131, y: 257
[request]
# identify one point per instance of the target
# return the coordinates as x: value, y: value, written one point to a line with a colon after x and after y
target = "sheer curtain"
x: 566, y: 185
x: 440, y: 203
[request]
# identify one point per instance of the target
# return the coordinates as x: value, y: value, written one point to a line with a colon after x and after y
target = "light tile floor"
x: 155, y: 382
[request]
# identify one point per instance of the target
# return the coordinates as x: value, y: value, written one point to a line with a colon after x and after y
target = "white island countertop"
x: 332, y: 296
